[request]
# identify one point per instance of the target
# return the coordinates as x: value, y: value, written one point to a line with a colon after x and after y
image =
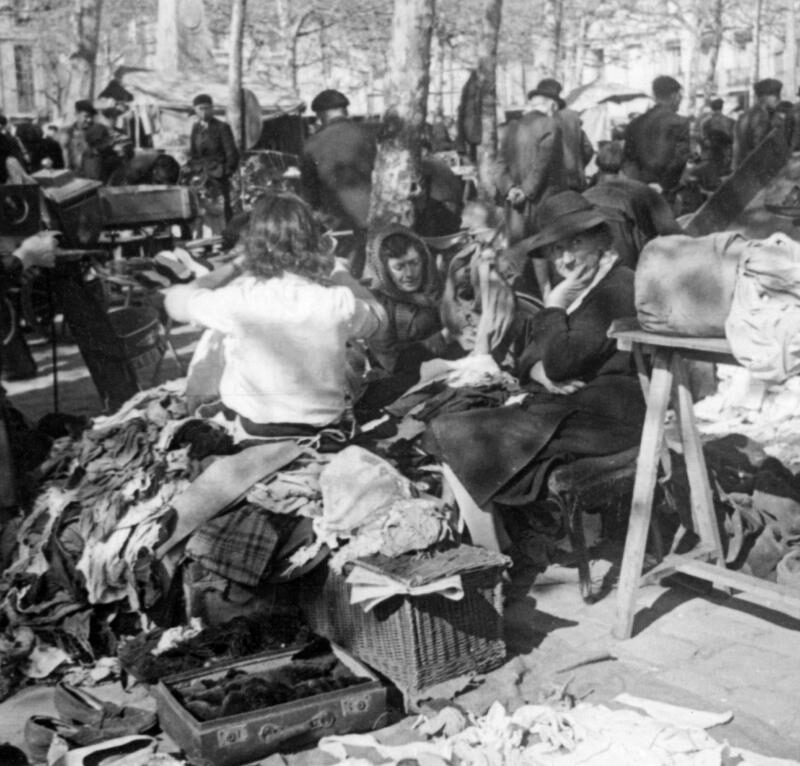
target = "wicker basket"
x: 417, y: 642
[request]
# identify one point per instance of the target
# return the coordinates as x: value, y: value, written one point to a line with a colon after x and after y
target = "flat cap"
x: 768, y: 87
x: 85, y: 105
x: 202, y: 98
x: 716, y: 104
x: 664, y: 86
x: 329, y: 99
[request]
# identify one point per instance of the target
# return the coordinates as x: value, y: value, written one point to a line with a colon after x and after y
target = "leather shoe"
x: 123, y: 751
x: 39, y: 733
x: 77, y: 705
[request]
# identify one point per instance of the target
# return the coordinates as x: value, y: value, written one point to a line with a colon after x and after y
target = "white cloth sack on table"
x: 763, y: 326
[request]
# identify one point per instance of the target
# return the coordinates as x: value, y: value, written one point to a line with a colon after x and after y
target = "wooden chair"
x: 590, y: 484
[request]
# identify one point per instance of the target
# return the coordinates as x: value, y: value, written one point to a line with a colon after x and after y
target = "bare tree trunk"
x: 235, y: 100
x: 710, y: 87
x: 790, y: 51
x: 396, y: 177
x: 554, y: 30
x: 757, y: 41
x: 487, y: 79
x: 441, y: 51
x: 86, y: 17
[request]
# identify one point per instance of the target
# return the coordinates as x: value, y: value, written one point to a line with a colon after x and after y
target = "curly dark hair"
x: 283, y: 236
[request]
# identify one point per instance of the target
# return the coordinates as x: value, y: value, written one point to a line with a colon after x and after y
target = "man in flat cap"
x: 89, y: 147
x: 754, y: 125
x: 657, y: 143
x: 336, y: 171
x: 213, y: 149
x: 717, y: 133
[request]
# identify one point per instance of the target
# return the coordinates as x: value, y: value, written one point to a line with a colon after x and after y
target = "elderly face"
x: 577, y: 252
x: 406, y: 271
x: 204, y: 111
x: 84, y: 119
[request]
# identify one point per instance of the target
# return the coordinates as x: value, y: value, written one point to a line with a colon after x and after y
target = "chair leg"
x: 573, y: 522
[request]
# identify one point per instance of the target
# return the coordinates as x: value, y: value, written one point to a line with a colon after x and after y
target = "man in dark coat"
x: 211, y: 145
x: 657, y: 143
x: 90, y: 144
x: 336, y: 170
x: 530, y: 165
x: 578, y: 149
x: 718, y: 139
x: 635, y: 214
x: 754, y: 125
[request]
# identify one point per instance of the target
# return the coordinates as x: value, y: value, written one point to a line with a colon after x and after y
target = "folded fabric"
x: 224, y: 482
x: 237, y: 546
x: 370, y: 588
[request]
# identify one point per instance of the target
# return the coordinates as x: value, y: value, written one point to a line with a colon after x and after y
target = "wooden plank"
x: 770, y: 594
x: 705, y: 519
x: 643, y: 490
x: 629, y: 331
x: 673, y: 562
x: 723, y: 207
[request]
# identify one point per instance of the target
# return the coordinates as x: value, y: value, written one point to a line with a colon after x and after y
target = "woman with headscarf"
x: 407, y: 284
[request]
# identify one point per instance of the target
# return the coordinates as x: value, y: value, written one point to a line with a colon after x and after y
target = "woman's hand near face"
x: 565, y: 387
x: 573, y: 284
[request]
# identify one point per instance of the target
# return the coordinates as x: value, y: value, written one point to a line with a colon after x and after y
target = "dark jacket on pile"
x: 578, y: 149
x: 503, y: 454
x: 752, y: 128
x: 531, y: 158
x: 657, y: 147
x: 635, y: 212
x: 212, y: 145
x: 336, y: 168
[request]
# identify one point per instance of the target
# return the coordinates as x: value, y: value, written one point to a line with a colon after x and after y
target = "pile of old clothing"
x: 102, y: 499
x: 759, y: 500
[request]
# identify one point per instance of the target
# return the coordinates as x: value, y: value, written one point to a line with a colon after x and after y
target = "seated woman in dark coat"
x: 584, y: 395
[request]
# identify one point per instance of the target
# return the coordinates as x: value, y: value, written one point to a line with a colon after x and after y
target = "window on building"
x: 23, y: 63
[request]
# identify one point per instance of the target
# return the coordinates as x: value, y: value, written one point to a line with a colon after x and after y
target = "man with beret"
x: 90, y: 144
x: 530, y: 164
x: 213, y: 149
x: 336, y: 170
x: 754, y: 125
x: 717, y: 133
x: 657, y: 143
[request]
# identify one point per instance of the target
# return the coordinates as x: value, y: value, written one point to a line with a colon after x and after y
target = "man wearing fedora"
x: 657, y: 143
x: 212, y: 148
x: 336, y: 170
x: 530, y: 165
x: 89, y: 144
x: 578, y: 149
x: 754, y: 125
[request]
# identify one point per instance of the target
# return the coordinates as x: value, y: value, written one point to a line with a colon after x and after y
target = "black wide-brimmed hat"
x: 549, y: 88
x: 329, y: 99
x: 203, y: 99
x: 560, y: 216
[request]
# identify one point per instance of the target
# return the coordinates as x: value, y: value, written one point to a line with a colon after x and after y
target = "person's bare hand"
x: 563, y: 387
x: 515, y: 196
x: 39, y: 250
x: 573, y: 284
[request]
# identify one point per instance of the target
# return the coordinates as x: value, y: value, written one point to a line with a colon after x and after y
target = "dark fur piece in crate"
x: 417, y: 642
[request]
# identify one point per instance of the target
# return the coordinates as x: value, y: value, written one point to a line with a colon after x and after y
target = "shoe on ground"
x: 122, y: 751
x: 77, y: 705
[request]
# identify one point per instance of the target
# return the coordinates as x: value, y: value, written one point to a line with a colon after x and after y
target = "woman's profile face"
x: 406, y: 271
x: 575, y: 253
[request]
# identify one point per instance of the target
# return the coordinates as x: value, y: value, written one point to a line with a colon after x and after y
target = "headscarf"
x: 429, y: 293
